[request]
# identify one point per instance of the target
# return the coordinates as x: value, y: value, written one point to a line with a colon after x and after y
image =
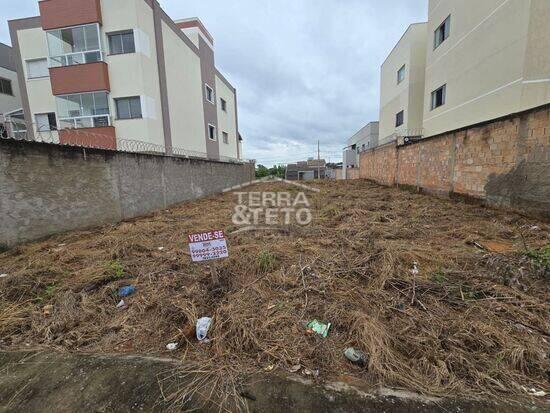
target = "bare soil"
x: 474, y: 321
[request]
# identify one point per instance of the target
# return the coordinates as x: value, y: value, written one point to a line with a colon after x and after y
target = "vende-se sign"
x: 210, y: 245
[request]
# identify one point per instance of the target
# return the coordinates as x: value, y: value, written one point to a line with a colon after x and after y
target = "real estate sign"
x: 206, y: 246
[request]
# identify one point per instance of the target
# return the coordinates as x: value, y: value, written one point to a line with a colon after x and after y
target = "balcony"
x: 55, y: 14
x: 80, y: 78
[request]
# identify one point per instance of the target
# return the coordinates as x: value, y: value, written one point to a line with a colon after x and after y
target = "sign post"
x: 208, y: 246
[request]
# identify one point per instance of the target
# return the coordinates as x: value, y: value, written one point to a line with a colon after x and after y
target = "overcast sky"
x: 305, y: 70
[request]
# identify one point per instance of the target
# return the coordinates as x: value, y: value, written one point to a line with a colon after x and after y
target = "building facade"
x: 10, y: 99
x: 485, y: 59
x: 306, y: 170
x: 366, y: 138
x: 472, y: 62
x: 402, y: 86
x: 111, y: 72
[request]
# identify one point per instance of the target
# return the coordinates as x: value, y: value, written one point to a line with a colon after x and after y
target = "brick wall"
x: 407, y: 165
x: 352, y: 173
x: 379, y: 164
x: 504, y: 162
x: 435, y: 164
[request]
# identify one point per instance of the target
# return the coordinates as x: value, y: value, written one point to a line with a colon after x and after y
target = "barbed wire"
x: 13, y: 129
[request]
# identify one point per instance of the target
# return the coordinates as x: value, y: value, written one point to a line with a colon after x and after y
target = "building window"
x: 209, y: 93
x: 122, y: 42
x: 75, y: 45
x: 83, y: 110
x: 45, y: 122
x: 438, y: 97
x: 37, y: 68
x: 442, y: 32
x: 5, y: 87
x: 401, y: 74
x: 128, y: 108
x: 225, y: 136
x: 399, y: 118
x: 223, y: 104
x: 212, y: 132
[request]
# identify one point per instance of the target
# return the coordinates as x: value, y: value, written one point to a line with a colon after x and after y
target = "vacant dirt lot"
x: 473, y: 320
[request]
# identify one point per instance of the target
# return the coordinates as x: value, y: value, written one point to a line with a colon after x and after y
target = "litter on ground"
x: 126, y: 291
x: 471, y: 322
x: 356, y: 356
x: 203, y: 325
x: 318, y: 327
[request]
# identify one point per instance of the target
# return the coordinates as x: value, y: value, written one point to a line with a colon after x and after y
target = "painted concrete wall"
x: 104, y: 187
x: 134, y: 74
x: 226, y: 120
x: 494, y: 63
x: 407, y: 95
x: 183, y: 75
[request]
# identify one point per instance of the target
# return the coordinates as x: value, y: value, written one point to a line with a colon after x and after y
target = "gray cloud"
x: 305, y: 70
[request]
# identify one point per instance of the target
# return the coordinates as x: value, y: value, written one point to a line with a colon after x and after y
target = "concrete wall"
x: 406, y: 96
x: 47, y: 189
x: 505, y: 162
x: 494, y: 63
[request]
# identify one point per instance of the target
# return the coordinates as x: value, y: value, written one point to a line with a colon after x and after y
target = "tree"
x: 261, y: 171
x: 276, y: 170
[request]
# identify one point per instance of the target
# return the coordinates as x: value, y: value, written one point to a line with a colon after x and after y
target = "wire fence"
x: 15, y: 129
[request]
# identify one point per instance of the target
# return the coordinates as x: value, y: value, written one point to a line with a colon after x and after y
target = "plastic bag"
x: 203, y: 325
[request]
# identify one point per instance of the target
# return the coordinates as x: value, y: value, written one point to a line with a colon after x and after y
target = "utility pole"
x: 318, y: 161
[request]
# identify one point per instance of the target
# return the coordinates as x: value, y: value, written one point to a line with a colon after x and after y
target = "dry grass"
x: 470, y: 323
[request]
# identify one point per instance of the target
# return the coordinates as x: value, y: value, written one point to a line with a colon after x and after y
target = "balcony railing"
x: 406, y: 133
x: 77, y: 58
x: 79, y: 122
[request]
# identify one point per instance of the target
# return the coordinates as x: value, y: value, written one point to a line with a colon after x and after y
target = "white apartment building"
x: 473, y: 61
x: 402, y: 86
x: 364, y: 139
x: 108, y: 72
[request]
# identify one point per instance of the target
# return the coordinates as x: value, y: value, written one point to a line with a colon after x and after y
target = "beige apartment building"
x: 10, y: 99
x: 485, y: 59
x: 108, y: 72
x: 402, y: 86
x: 474, y: 61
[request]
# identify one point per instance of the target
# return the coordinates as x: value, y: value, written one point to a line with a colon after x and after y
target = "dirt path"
x: 474, y: 320
x: 33, y: 382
